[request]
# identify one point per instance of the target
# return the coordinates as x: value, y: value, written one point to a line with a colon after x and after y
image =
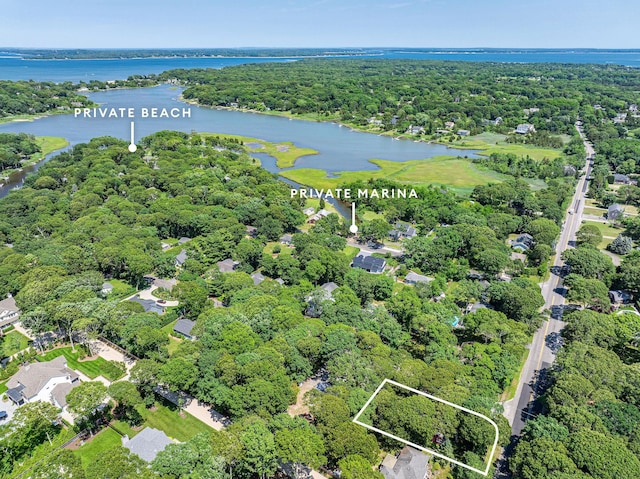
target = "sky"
x: 319, y: 23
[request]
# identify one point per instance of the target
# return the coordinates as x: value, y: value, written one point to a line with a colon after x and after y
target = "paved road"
x: 385, y: 249
x: 544, y: 345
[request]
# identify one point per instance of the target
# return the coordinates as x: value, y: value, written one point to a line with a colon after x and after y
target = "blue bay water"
x: 16, y: 68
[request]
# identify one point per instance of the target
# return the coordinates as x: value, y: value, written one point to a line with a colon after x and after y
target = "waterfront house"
x: 464, y: 132
x: 525, y: 128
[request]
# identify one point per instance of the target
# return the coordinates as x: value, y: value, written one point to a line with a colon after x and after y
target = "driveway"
x: 7, y: 405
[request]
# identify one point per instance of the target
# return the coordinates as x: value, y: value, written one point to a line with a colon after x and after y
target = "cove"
x: 340, y: 148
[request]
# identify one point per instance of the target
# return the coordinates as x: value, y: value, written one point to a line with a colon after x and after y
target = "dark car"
x: 3, y: 415
x: 162, y: 301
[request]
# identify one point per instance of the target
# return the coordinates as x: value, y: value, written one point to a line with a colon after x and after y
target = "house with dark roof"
x: 615, y: 212
x: 181, y: 258
x: 618, y: 296
x: 251, y: 231
x: 372, y: 264
x: 228, y: 265
x: 147, y: 443
x: 9, y: 312
x: 402, y: 230
x: 415, y: 278
x: 183, y: 327
x: 49, y: 381
x: 408, y: 464
x: 149, y: 305
x: 621, y: 179
x: 523, y: 242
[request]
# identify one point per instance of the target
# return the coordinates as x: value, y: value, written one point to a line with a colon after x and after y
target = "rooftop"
x: 30, y: 379
x: 184, y: 326
x: 410, y: 464
x: 147, y: 443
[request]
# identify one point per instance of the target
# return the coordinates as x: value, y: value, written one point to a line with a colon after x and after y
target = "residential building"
x: 402, y: 230
x: 106, y: 288
x: 309, y: 211
x: 372, y: 264
x: 183, y: 327
x: 181, y: 258
x: 147, y: 443
x: 9, y: 312
x: 525, y: 128
x: 149, y: 305
x: 228, y: 265
x: 621, y: 179
x: 620, y: 118
x: 314, y: 301
x: 464, y: 132
x: 569, y: 170
x: 318, y: 216
x: 620, y: 297
x: 415, y: 130
x: 280, y: 281
x: 257, y: 278
x: 477, y: 306
x: 251, y: 231
x: 615, y: 212
x: 408, y: 464
x: 183, y: 240
x: 523, y: 242
x: 529, y: 111
x: 286, y: 239
x: 449, y: 125
x: 49, y: 381
x: 415, y: 278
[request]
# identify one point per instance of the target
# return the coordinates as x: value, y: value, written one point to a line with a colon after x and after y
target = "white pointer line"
x: 132, y: 146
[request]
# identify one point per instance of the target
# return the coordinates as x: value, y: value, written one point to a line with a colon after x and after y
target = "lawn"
x: 121, y: 289
x: 608, y: 232
x: 3, y: 388
x: 350, y: 251
x: 49, y: 144
x: 285, y: 153
x: 371, y: 215
x: 92, y: 368
x: 493, y: 143
x: 284, y: 249
x: 13, y: 342
x: 167, y: 418
x: 457, y: 174
x: 105, y: 439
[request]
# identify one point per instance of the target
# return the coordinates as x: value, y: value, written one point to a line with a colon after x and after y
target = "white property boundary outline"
x: 389, y: 381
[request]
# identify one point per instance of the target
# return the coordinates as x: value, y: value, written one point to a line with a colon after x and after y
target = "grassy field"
x: 49, y: 144
x: 92, y: 368
x: 105, y: 439
x: 350, y: 251
x: 371, y: 215
x: 285, y: 153
x: 457, y: 174
x: 510, y: 392
x: 168, y: 419
x: 494, y: 143
x: 3, y: 387
x: 13, y: 342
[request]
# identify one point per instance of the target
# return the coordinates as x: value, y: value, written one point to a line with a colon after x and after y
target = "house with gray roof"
x: 181, y: 258
x: 615, y: 212
x: 48, y: 381
x: 183, y: 240
x: 147, y: 443
x: 315, y: 299
x: 183, y: 327
x: 525, y: 128
x: 228, y: 265
x: 402, y: 230
x: 149, y: 305
x: 257, y: 278
x: 286, y: 239
x: 621, y: 179
x: 414, y: 278
x: 409, y: 464
x: 9, y: 312
x: 106, y: 288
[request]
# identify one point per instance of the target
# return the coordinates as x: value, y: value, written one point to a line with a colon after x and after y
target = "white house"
x: 9, y: 312
x: 48, y: 382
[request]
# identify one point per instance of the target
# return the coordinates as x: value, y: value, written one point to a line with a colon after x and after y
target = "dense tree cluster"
x: 29, y: 97
x: 14, y: 148
x: 403, y: 93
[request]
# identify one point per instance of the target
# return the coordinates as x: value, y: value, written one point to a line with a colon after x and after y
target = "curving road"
x: 546, y: 340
